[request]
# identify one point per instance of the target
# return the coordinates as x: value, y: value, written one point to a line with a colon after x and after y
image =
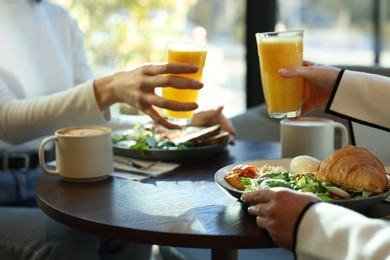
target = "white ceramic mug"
x: 83, y: 153
x: 311, y: 136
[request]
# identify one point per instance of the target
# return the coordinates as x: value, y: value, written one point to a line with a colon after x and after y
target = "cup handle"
x: 42, y: 155
x: 344, y: 133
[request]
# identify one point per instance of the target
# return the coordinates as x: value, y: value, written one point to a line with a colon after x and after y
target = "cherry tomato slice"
x: 335, y: 196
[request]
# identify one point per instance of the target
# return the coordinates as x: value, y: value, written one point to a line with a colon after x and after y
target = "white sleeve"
x: 25, y: 119
x: 327, y: 231
x: 362, y: 97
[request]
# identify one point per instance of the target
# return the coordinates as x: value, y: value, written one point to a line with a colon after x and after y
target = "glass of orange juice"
x: 281, y: 50
x: 184, y: 52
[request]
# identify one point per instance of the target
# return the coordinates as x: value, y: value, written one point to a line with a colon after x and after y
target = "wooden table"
x: 183, y: 208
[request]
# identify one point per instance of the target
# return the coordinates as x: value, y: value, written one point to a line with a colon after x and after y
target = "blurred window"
x: 336, y: 32
x: 384, y: 19
x: 123, y: 33
x: 350, y: 32
x: 342, y: 32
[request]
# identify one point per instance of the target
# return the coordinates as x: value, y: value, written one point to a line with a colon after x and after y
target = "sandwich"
x: 212, y: 135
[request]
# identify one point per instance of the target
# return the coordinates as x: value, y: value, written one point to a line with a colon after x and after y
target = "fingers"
x: 258, y: 196
x: 219, y: 110
x: 161, y: 74
x: 167, y: 74
x: 158, y: 101
x: 173, y: 81
x: 226, y: 124
x: 305, y: 109
x: 258, y: 201
x: 257, y: 210
x: 148, y: 84
x: 295, y: 72
x: 163, y: 122
x: 136, y: 87
x: 324, y: 76
x: 159, y: 119
x: 304, y: 71
x: 309, y: 63
x: 168, y: 68
x: 277, y: 211
x: 261, y: 222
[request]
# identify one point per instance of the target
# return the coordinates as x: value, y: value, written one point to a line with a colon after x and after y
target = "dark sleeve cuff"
x: 336, y: 86
x: 299, y: 222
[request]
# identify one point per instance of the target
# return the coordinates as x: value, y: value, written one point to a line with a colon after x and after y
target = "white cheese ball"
x: 304, y: 163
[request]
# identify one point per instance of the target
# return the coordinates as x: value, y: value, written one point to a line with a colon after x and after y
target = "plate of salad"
x: 154, y: 142
x: 275, y: 173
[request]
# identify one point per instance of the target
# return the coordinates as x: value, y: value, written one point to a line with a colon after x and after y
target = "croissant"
x: 354, y: 169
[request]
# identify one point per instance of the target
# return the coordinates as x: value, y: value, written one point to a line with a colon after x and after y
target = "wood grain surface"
x: 184, y: 207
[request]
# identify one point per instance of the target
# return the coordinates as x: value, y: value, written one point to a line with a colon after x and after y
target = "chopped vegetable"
x: 300, y: 182
x: 147, y: 137
x: 338, y: 191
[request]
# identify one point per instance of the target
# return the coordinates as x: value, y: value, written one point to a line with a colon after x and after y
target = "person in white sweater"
x: 46, y: 84
x: 323, y: 230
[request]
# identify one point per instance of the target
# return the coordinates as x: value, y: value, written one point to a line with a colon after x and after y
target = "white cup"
x: 83, y: 153
x: 310, y: 136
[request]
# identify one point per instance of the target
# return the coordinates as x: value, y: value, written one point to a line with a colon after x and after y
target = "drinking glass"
x: 184, y: 52
x: 281, y: 50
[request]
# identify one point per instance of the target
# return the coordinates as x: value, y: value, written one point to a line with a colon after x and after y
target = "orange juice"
x: 184, y: 53
x: 278, y: 50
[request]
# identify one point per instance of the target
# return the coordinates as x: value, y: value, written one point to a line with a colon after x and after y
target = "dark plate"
x: 179, y: 156
x: 354, y: 204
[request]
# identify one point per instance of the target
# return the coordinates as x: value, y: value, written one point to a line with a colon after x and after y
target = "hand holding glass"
x: 184, y: 52
x: 281, y: 50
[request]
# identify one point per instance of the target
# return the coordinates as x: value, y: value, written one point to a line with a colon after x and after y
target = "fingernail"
x: 282, y: 71
x: 197, y: 84
x: 194, y: 68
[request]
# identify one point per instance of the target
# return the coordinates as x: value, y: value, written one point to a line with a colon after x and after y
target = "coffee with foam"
x: 83, y: 153
x: 85, y: 131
